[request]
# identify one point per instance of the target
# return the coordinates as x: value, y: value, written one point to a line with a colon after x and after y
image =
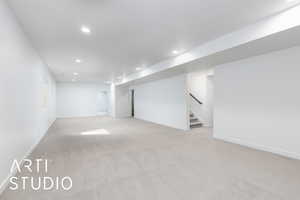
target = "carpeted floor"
x: 127, y: 159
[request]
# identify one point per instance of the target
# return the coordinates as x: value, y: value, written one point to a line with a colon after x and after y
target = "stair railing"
x: 197, y: 100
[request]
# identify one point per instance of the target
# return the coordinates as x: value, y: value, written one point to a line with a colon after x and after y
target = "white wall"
x: 200, y: 84
x: 257, y: 102
x: 123, y: 102
x: 81, y: 99
x: 120, y: 102
x: 163, y: 102
x: 27, y: 94
x: 112, y: 101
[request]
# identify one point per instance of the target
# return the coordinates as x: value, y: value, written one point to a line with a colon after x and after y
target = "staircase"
x: 194, y: 122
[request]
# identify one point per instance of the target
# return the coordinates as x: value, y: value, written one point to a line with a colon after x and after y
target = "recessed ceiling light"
x: 78, y: 61
x: 85, y: 30
x: 75, y: 73
x: 175, y: 52
x: 138, y: 68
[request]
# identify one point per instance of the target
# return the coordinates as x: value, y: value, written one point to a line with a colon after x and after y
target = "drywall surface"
x: 81, y: 99
x: 200, y: 84
x: 27, y: 94
x: 163, y: 101
x: 112, y: 100
x: 257, y: 102
x: 119, y: 101
x: 123, y: 106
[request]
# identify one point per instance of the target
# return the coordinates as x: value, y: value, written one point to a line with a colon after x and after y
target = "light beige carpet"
x: 132, y: 159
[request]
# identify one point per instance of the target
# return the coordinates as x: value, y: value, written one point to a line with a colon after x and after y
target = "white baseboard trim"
x: 280, y: 152
x: 83, y: 116
x: 5, y: 182
x: 187, y: 128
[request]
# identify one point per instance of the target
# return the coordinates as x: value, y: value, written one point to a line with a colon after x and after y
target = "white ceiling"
x: 126, y: 34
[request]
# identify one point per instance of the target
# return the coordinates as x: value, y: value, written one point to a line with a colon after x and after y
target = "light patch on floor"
x: 95, y: 132
x: 120, y: 159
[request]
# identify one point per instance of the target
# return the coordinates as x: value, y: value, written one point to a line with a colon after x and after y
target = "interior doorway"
x: 132, y: 103
x: 102, y: 103
x: 201, y: 89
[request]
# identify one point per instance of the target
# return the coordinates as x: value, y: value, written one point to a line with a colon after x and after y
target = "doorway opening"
x: 132, y: 103
x: 201, y: 105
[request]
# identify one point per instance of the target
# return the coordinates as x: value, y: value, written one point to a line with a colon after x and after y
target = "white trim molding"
x: 259, y: 147
x: 5, y: 182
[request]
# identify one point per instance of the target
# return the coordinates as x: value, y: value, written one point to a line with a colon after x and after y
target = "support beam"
x: 263, y: 29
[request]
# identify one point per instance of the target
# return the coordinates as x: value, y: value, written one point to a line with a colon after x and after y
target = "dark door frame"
x: 132, y: 103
